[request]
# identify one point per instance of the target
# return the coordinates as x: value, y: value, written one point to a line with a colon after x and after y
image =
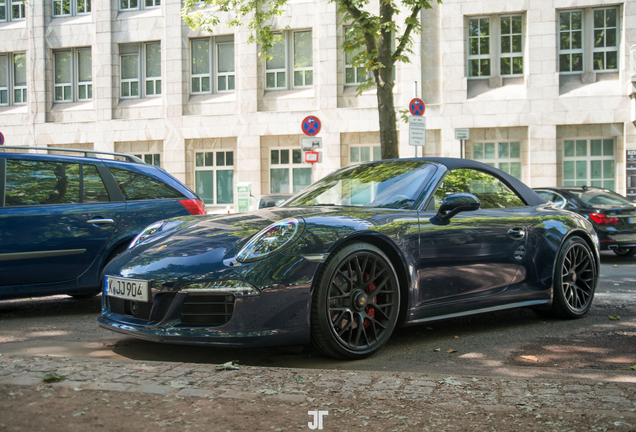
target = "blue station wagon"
x: 63, y: 217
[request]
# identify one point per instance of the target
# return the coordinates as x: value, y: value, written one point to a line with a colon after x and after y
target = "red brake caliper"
x: 369, y: 310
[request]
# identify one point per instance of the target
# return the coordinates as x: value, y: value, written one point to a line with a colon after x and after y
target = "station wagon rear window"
x: 136, y: 186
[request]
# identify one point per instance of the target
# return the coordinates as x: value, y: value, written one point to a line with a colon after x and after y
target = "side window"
x: 135, y: 186
x: 490, y: 191
x: 94, y: 189
x: 41, y: 182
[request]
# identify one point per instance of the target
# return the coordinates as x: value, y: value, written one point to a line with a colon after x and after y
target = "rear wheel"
x: 575, y: 279
x: 625, y: 252
x: 355, y: 304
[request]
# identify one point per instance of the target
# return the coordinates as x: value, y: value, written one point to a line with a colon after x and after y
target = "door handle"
x: 100, y: 221
x: 517, y: 233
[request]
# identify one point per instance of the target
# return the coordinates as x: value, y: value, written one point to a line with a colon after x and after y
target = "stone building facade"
x: 544, y: 86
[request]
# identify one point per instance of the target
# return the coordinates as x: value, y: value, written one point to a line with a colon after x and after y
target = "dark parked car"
x: 367, y: 248
x: 62, y: 218
x: 612, y: 215
x: 273, y: 200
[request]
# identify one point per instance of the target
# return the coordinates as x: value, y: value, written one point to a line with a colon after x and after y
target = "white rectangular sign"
x: 417, y: 131
x: 462, y: 133
x: 312, y: 143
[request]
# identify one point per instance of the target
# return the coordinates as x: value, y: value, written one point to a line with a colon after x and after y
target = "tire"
x: 575, y: 278
x: 355, y: 304
x: 625, y: 252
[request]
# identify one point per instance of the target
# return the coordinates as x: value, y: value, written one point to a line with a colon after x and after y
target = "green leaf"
x: 614, y: 317
x: 633, y: 367
x: 53, y: 377
x: 300, y: 379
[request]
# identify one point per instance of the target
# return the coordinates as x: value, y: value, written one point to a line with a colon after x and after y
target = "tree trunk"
x: 388, y: 124
x: 384, y: 80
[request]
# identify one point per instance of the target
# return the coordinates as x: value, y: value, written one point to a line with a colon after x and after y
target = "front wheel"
x: 575, y: 279
x: 355, y: 304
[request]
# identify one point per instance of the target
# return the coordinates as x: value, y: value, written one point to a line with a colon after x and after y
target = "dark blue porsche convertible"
x: 343, y: 263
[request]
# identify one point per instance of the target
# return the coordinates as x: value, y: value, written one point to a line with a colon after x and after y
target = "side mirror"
x: 454, y: 204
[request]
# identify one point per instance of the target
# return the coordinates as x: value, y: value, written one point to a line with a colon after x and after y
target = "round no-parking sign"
x: 1, y: 139
x: 311, y: 125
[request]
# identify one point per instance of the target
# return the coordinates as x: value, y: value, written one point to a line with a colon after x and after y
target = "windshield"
x: 383, y: 184
x: 601, y: 197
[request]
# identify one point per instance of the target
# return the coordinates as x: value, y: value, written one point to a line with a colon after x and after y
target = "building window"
x: 354, y: 75
x: 479, y: 47
x: 364, y: 153
x: 508, y: 30
x: 129, y: 5
x: 140, y: 70
x: 571, y: 41
x: 287, y: 173
x: 573, y: 46
x: 13, y: 84
x: 212, y: 62
x: 504, y: 155
x: 73, y: 75
x: 66, y: 8
x: 11, y: 10
x: 589, y: 162
x: 150, y: 158
x: 214, y: 177
x: 605, y: 39
x: 511, y: 53
x: 296, y: 45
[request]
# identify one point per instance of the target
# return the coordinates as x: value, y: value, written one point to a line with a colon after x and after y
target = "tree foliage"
x: 369, y: 40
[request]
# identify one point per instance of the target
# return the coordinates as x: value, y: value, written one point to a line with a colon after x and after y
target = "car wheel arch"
x: 590, y: 243
x: 392, y: 252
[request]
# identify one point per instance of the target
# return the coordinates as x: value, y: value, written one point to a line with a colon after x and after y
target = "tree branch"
x: 405, y: 37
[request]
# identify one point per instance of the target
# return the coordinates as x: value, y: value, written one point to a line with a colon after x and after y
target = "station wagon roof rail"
x: 86, y: 153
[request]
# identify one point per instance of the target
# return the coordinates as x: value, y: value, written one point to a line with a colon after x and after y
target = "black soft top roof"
x: 528, y: 195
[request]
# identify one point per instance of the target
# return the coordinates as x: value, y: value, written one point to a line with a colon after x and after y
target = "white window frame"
x: 9, y: 7
x: 141, y: 78
x: 498, y: 161
x: 571, y: 51
x: 588, y: 159
x: 479, y: 57
x: 512, y: 55
x: 75, y: 84
x: 153, y: 156
x: 374, y: 153
x: 356, y: 69
x: 289, y: 166
x: 214, y: 75
x: 289, y: 68
x: 11, y: 90
x: 73, y: 8
x: 605, y: 50
x: 125, y: 5
x: 215, y: 168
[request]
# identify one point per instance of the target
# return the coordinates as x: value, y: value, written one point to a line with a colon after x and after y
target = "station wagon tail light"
x: 194, y: 206
x: 236, y: 287
x: 602, y: 219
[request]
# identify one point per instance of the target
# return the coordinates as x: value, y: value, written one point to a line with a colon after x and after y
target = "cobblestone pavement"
x: 131, y: 396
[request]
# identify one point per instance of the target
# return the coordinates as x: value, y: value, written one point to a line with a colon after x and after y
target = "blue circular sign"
x: 417, y: 107
x: 311, y: 125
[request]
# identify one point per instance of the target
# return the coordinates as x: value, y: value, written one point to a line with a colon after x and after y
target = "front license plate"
x: 130, y: 289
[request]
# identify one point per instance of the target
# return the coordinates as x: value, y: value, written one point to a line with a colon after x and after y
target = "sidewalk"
x: 132, y: 396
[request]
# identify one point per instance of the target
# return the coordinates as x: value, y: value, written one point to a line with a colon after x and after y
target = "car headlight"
x: 271, y: 240
x: 147, y: 232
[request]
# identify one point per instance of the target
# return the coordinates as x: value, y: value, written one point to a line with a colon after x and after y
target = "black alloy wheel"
x: 355, y: 304
x: 575, y: 279
x: 625, y: 252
